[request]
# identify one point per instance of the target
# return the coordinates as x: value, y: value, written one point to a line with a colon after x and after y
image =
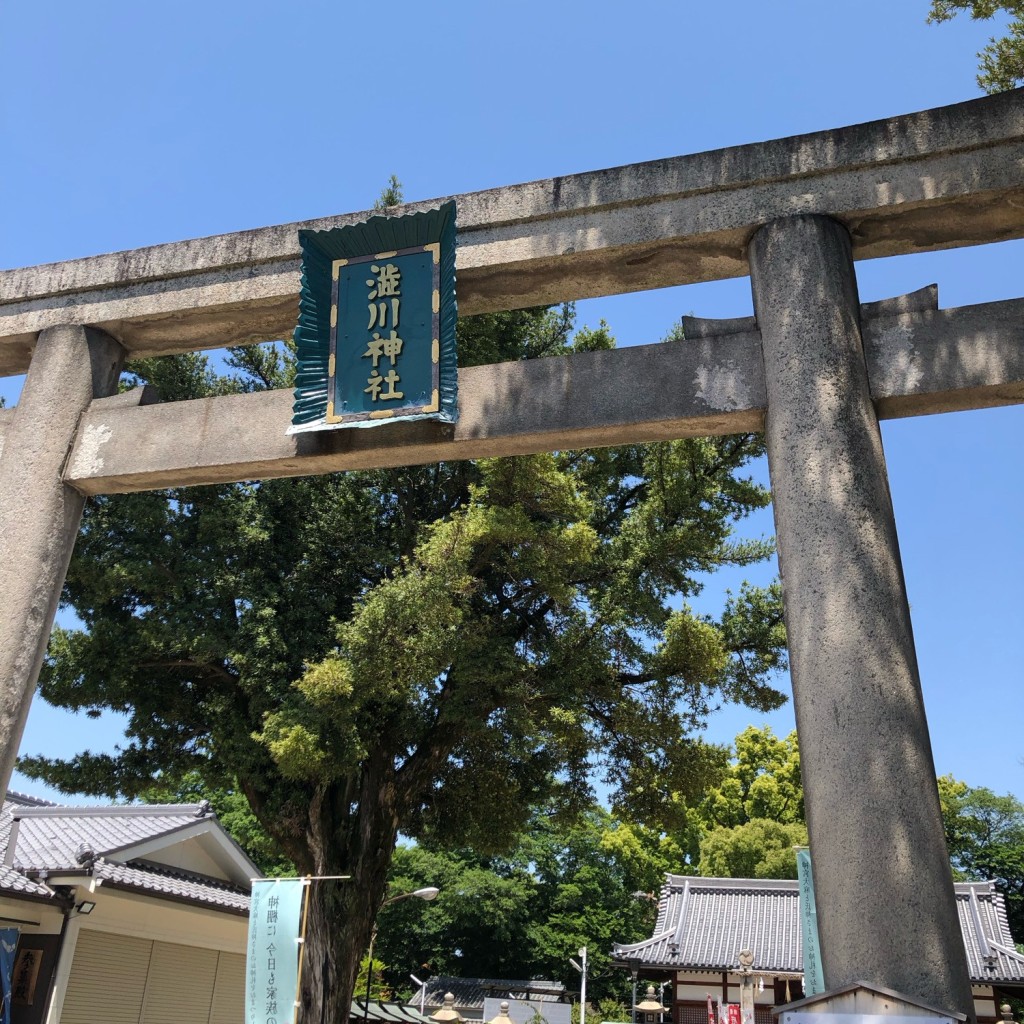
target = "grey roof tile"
x: 471, y: 992
x: 703, y: 923
x: 12, y: 881
x: 159, y: 881
x: 27, y: 800
x: 49, y: 837
x: 402, y: 1013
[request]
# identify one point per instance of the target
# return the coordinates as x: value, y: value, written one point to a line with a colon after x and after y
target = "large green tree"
x: 762, y: 781
x: 1001, y: 62
x: 524, y: 913
x: 985, y: 837
x: 759, y: 848
x: 432, y: 650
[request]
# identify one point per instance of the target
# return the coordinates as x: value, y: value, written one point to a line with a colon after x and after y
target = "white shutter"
x: 229, y: 995
x: 108, y: 979
x: 180, y: 986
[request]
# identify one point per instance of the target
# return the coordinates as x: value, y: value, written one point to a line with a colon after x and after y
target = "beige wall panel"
x: 189, y: 856
x: 108, y: 979
x: 694, y: 993
x: 180, y: 985
x: 229, y: 994
x: 985, y: 1007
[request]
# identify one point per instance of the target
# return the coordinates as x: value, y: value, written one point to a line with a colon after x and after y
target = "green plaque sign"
x: 376, y: 332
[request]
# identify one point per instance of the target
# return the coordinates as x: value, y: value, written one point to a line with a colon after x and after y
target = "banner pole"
x: 290, y: 878
x: 302, y: 949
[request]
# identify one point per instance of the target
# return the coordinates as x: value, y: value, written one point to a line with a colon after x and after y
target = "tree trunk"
x: 344, y: 841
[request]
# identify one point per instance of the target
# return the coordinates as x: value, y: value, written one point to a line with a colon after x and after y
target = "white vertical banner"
x: 272, y: 955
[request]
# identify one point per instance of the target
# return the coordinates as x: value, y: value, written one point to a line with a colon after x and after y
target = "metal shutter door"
x: 180, y: 985
x: 108, y: 979
x: 229, y: 995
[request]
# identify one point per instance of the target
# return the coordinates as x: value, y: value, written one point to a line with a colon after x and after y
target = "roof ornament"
x: 502, y: 1017
x: 447, y: 1014
x: 204, y: 809
x: 85, y: 855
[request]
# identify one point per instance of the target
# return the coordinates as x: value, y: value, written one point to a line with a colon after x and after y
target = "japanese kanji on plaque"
x: 376, y: 333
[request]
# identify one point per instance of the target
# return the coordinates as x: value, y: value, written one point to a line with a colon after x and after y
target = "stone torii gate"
x: 814, y: 369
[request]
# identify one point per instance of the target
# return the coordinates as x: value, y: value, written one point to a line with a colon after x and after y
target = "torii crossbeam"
x: 813, y: 368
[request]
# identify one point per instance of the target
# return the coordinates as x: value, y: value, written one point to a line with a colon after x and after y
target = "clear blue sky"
x: 129, y: 124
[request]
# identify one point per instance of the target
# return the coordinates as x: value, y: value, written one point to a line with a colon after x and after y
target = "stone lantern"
x: 649, y: 1010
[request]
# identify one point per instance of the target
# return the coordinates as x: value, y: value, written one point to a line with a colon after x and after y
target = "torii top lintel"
x: 935, y: 179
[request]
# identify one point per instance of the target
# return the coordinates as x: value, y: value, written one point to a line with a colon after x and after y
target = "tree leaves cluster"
x: 747, y: 825
x: 435, y: 650
x: 1001, y: 62
x: 523, y: 914
x: 593, y: 880
x: 985, y: 838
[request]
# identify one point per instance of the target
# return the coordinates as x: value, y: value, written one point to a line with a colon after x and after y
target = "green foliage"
x: 433, y: 649
x: 985, y: 837
x: 391, y: 195
x: 1002, y: 61
x: 762, y: 782
x: 612, y: 1010
x: 380, y: 989
x: 756, y: 849
x: 525, y: 913
x: 476, y: 927
x: 747, y: 824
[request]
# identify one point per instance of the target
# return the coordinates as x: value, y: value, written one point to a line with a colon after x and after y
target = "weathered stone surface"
x: 946, y: 360
x: 39, y: 514
x: 653, y: 392
x: 935, y: 179
x: 883, y: 889
x: 919, y: 362
x: 6, y: 415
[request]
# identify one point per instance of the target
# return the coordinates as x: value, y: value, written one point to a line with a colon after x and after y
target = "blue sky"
x: 129, y: 124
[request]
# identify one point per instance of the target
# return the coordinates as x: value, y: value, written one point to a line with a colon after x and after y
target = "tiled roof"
x: 471, y: 992
x: 703, y: 923
x: 161, y: 881
x: 50, y: 837
x: 10, y: 879
x: 26, y: 800
x: 15, y: 882
x: 401, y: 1013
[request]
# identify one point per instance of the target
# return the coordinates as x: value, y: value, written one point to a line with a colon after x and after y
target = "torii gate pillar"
x: 39, y: 513
x: 886, y: 907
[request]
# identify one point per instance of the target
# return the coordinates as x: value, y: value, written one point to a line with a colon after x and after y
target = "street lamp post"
x: 427, y: 893
x: 583, y: 985
x: 423, y: 993
x: 581, y: 966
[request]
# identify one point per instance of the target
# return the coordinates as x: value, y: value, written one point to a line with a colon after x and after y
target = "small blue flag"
x: 8, y: 950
